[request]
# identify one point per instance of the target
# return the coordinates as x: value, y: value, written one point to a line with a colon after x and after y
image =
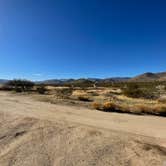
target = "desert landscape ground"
x: 37, y: 132
x: 82, y: 83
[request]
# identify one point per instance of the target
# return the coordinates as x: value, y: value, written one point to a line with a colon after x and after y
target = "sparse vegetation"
x: 124, y: 97
x: 135, y: 91
x: 64, y: 93
x: 41, y: 89
x: 20, y: 85
x: 108, y: 106
x: 96, y: 106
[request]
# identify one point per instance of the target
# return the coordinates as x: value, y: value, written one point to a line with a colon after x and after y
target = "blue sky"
x: 43, y: 39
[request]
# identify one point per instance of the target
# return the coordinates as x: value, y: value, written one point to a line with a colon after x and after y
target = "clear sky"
x: 42, y: 39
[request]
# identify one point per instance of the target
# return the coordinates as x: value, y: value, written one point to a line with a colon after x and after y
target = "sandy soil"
x: 42, y: 134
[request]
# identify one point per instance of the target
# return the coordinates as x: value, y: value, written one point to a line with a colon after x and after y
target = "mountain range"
x: 3, y: 81
x: 146, y: 77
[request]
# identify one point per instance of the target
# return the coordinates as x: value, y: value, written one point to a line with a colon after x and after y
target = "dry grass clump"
x: 142, y: 108
x: 156, y: 109
x: 109, y: 106
x: 106, y: 106
x: 160, y: 109
x: 64, y: 93
x: 134, y: 108
x: 97, y: 106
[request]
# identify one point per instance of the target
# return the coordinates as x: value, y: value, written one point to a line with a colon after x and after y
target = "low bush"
x: 153, y: 109
x: 134, y: 91
x: 96, y: 106
x: 64, y: 93
x: 20, y: 85
x: 108, y: 106
x: 41, y: 90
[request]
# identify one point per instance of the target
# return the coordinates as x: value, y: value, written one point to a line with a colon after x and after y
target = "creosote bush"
x: 20, y: 85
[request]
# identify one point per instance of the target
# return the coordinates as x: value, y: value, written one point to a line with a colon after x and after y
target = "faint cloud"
x: 37, y: 74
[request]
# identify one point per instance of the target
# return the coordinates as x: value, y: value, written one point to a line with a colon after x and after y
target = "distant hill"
x: 116, y: 79
x: 55, y: 81
x: 148, y: 77
x: 83, y: 81
x: 3, y: 81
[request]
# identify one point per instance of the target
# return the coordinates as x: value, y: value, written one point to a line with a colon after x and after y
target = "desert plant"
x: 108, y: 106
x: 96, y: 106
x: 41, y: 89
x: 142, y: 108
x: 135, y: 91
x: 64, y: 93
x: 20, y: 85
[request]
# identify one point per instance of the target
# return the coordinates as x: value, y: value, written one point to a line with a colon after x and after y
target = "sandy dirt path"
x: 37, y: 133
x: 151, y: 126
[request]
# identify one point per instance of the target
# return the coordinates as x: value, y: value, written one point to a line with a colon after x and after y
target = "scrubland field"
x: 122, y: 124
x: 132, y: 99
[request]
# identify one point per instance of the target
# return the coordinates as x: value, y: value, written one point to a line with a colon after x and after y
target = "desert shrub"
x: 96, y: 106
x: 108, y: 106
x: 142, y: 109
x: 84, y: 98
x: 5, y: 88
x: 20, y: 85
x: 135, y: 91
x: 155, y: 109
x: 64, y: 93
x: 41, y: 89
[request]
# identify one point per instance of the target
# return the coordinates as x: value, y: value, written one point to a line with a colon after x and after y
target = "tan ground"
x: 42, y: 134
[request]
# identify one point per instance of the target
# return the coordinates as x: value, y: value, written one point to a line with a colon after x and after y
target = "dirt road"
x: 37, y: 133
x: 143, y: 125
